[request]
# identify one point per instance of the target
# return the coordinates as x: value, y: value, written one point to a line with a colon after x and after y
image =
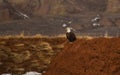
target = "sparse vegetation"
x: 21, y: 54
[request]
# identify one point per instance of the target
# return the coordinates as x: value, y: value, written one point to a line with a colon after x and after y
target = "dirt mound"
x: 100, y: 56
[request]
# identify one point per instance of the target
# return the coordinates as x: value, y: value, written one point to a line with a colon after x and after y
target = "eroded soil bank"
x: 20, y: 55
x: 99, y: 56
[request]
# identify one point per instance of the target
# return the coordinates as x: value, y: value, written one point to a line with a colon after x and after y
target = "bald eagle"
x: 70, y: 35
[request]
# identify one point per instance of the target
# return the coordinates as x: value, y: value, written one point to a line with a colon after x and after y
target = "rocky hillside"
x: 59, y: 6
x: 56, y: 7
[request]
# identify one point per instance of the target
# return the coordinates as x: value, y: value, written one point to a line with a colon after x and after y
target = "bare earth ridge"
x: 99, y: 56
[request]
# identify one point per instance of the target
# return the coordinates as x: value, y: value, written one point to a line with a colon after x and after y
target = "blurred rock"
x: 32, y: 73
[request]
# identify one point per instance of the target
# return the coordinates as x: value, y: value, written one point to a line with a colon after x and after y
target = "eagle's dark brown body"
x: 71, y: 36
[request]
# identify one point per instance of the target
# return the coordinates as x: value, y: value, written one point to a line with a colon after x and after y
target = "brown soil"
x: 99, y: 56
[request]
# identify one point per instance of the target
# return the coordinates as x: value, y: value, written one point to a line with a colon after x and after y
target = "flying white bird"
x: 95, y: 21
x: 24, y: 15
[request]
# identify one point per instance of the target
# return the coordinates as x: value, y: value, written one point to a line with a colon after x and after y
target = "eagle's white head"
x: 68, y: 29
